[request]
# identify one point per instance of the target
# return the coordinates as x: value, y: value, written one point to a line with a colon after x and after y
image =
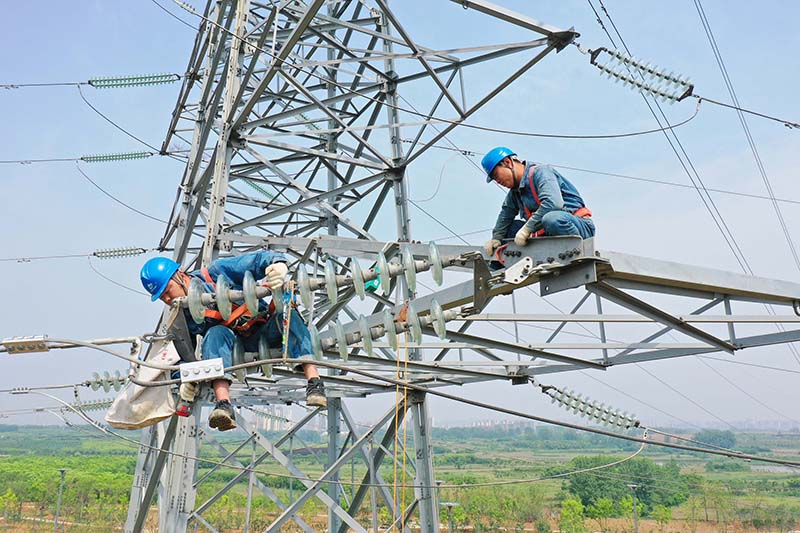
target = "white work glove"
x: 491, y: 246
x: 188, y: 391
x: 521, y: 238
x: 275, y: 273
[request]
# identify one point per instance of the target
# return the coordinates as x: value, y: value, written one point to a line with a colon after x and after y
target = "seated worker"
x: 545, y: 201
x: 163, y: 279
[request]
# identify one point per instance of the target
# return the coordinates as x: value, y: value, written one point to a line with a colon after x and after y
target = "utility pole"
x: 449, y: 506
x: 633, y: 488
x: 58, y: 505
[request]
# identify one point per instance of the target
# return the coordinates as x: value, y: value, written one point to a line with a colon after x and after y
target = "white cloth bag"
x: 137, y: 406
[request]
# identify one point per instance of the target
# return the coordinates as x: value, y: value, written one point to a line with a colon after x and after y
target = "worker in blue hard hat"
x: 544, y: 200
x: 163, y: 279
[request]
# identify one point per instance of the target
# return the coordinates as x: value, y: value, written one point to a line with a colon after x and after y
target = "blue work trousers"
x: 218, y: 340
x: 558, y: 223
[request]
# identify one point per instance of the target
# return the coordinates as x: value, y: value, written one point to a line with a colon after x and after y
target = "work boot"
x: 315, y: 393
x: 222, y: 417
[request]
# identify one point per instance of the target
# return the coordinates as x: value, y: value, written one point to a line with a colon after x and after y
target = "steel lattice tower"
x: 297, y: 138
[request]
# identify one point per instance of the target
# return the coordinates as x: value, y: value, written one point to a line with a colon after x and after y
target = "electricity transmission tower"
x: 299, y: 141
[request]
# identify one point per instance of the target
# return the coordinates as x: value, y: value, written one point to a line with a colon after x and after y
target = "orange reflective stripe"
x: 533, y: 190
x: 207, y: 277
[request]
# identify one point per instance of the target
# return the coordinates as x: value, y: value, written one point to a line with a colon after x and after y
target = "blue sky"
x: 50, y: 209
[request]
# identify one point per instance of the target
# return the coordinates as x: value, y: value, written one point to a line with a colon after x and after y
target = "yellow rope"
x: 405, y: 432
x: 396, y: 441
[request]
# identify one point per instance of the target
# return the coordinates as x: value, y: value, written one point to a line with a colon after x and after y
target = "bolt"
x: 551, y: 259
x: 562, y: 255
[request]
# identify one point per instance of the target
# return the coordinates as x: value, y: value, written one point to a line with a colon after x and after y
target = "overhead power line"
x: 109, y: 82
x: 732, y: 92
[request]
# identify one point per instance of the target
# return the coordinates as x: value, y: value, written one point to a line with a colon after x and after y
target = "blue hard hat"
x: 155, y: 275
x: 493, y: 157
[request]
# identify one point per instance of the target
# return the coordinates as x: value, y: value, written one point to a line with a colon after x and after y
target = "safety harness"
x: 239, y: 321
x: 581, y: 212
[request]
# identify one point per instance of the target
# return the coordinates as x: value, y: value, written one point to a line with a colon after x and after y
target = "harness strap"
x: 581, y: 212
x: 238, y: 311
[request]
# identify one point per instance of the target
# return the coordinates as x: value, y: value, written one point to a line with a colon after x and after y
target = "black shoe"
x: 222, y: 417
x: 315, y: 393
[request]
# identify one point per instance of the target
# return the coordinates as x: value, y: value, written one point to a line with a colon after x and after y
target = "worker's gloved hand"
x: 491, y: 246
x: 188, y: 391
x: 521, y: 238
x: 276, y: 273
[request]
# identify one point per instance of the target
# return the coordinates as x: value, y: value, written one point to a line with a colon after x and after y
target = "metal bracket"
x: 570, y: 277
x: 202, y: 370
x: 519, y: 271
x: 481, y: 277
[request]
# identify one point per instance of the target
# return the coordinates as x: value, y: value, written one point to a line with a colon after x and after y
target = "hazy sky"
x: 50, y: 209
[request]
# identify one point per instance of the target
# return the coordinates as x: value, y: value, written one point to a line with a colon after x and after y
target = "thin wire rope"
x: 126, y: 132
x: 743, y: 121
x: 788, y: 123
x: 44, y: 160
x: 778, y: 369
x: 118, y: 284
x: 743, y: 391
x: 120, y: 202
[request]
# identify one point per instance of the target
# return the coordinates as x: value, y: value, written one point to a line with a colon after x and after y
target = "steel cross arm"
x: 524, y: 349
x: 301, y: 189
x: 592, y: 318
x: 347, y: 247
x: 432, y: 53
x: 315, y: 487
x: 306, y: 202
x: 279, y: 59
x: 268, y: 492
x: 377, y: 87
x: 638, y: 306
x: 493, y: 10
x: 707, y: 281
x: 410, y: 43
x: 469, y: 112
x: 754, y: 341
x: 360, y: 25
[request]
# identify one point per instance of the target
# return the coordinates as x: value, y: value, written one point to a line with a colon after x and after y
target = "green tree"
x: 571, y: 516
x: 715, y: 437
x: 662, y: 516
x: 601, y: 510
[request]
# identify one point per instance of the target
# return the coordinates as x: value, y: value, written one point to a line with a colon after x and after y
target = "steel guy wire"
x: 750, y: 141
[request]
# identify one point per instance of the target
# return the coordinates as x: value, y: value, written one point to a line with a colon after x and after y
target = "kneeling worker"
x: 163, y: 279
x: 546, y: 202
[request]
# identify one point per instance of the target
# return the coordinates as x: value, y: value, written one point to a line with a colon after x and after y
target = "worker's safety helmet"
x: 155, y: 275
x: 493, y: 157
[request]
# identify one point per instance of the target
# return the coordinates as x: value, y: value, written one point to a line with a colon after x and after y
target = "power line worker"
x: 546, y: 202
x: 163, y: 279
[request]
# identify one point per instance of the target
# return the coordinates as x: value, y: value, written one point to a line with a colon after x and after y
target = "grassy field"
x: 678, y: 491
